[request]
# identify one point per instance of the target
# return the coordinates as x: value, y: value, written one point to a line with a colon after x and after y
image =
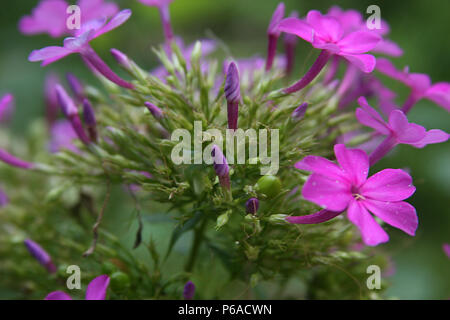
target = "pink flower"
x: 327, y: 34
x: 6, y: 107
x: 446, y: 248
x: 342, y: 187
x: 156, y: 3
x: 420, y: 84
x: 398, y: 130
x: 80, y: 44
x: 62, y: 137
x: 96, y: 290
x: 352, y: 20
x: 50, y: 16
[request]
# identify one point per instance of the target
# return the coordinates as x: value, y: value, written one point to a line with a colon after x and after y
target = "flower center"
x: 356, y: 194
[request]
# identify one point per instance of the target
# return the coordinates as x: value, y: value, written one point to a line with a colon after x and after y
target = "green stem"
x: 198, y: 238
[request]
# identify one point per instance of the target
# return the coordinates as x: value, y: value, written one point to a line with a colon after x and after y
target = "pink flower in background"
x: 156, y: 3
x: 353, y: 20
x: 163, y: 7
x: 342, y: 187
x: 398, y: 130
x: 40, y: 255
x: 96, y: 290
x: 6, y: 107
x: 327, y: 34
x: 80, y: 44
x: 50, y: 16
x: 4, y: 200
x: 446, y: 248
x: 62, y: 137
x: 273, y: 33
x: 420, y: 85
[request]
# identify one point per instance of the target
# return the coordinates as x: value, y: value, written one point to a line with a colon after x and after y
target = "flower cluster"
x: 121, y: 134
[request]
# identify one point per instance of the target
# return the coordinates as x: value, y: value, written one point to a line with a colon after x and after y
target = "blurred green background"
x: 420, y: 27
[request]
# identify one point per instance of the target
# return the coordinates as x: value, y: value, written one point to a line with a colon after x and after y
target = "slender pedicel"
x: 89, y: 119
x: 165, y: 20
x: 318, y: 217
x: 233, y: 95
x: 332, y: 70
x: 94, y: 59
x: 318, y: 65
x: 70, y: 110
x: 273, y: 34
x: 51, y: 100
x: 383, y: 149
x: 40, y: 255
x: 410, y: 102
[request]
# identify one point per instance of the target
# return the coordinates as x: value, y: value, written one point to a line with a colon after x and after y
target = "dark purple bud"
x: 154, y: 110
x: 40, y: 255
x: 252, y: 205
x: 221, y: 167
x: 273, y: 34
x: 189, y: 290
x: 70, y: 110
x: 89, y: 119
x: 121, y: 58
x: 13, y: 161
x: 75, y: 86
x: 300, y: 111
x: 232, y: 94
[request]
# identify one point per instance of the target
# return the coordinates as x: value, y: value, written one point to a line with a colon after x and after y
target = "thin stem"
x: 271, y: 51
x: 410, y: 102
x: 94, y: 59
x: 198, y: 238
x: 165, y: 20
x: 312, y: 73
x: 385, y: 146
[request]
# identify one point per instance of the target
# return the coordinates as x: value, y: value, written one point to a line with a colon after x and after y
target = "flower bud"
x: 40, y: 255
x: 154, y: 110
x: 222, y: 220
x: 121, y: 58
x: 89, y: 119
x: 232, y: 94
x: 189, y: 290
x: 66, y: 103
x: 76, y: 86
x: 268, y: 185
x: 252, y: 205
x: 300, y: 111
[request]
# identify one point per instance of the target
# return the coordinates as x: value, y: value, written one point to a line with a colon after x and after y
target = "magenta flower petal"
x: 318, y: 217
x: 354, y: 163
x: 96, y: 289
x: 368, y: 116
x: 49, y: 54
x: 327, y: 28
x: 386, y: 67
x: 155, y: 3
x: 115, y: 22
x: 389, y: 48
x: 365, y: 62
x: 405, y: 132
x: 439, y: 93
x: 371, y: 232
x: 321, y: 166
x: 94, y: 9
x: 359, y: 42
x: 432, y: 136
x: 277, y: 16
x: 58, y: 295
x: 331, y: 194
x: 400, y: 215
x: 388, y: 185
x: 297, y: 27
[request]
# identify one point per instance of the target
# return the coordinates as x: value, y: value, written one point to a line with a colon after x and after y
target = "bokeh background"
x: 420, y: 27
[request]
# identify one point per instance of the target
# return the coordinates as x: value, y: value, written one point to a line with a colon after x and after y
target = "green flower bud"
x: 270, y: 186
x: 120, y: 281
x: 223, y: 219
